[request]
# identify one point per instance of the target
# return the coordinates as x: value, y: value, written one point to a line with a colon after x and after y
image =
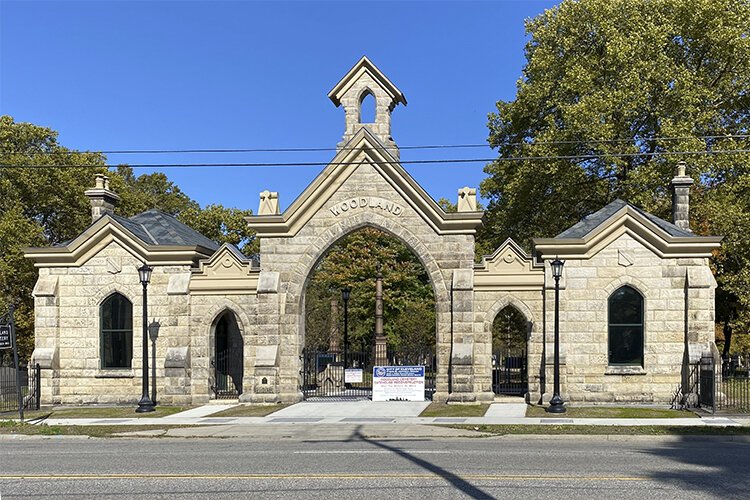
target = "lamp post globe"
x: 556, y: 404
x: 145, y: 404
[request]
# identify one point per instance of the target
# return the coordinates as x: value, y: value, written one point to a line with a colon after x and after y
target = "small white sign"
x: 353, y: 376
x: 398, y: 383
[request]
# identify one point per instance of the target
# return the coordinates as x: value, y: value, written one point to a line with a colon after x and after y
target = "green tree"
x: 408, y: 305
x: 38, y: 206
x: 224, y: 225
x: 613, y: 93
x: 42, y: 203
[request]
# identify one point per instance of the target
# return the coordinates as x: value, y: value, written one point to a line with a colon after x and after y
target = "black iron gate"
x: 30, y: 387
x: 323, y: 374
x: 509, y: 373
x: 227, y: 375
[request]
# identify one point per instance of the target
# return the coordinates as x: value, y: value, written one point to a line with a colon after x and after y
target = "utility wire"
x: 430, y: 146
x: 405, y: 162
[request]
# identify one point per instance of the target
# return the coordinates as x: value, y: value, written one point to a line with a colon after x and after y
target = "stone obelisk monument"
x: 381, y: 354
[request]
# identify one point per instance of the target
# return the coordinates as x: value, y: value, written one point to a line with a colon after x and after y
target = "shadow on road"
x: 459, y: 483
x: 712, y: 465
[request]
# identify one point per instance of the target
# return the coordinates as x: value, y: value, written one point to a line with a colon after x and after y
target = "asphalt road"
x: 355, y: 467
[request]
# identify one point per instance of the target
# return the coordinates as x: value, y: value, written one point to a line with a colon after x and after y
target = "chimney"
x: 681, y: 198
x: 103, y: 200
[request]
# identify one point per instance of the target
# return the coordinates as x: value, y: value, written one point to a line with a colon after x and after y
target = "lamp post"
x: 145, y: 404
x: 153, y: 332
x: 556, y: 403
x: 345, y: 293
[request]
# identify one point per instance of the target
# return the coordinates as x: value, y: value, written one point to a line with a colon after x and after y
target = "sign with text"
x: 353, y: 376
x: 398, y: 383
x: 5, y: 342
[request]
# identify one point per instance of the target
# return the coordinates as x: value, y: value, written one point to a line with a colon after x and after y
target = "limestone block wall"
x: 364, y: 199
x: 67, y: 324
x: 585, y: 289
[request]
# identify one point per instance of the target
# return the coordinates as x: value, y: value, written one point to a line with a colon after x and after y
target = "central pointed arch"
x: 297, y: 287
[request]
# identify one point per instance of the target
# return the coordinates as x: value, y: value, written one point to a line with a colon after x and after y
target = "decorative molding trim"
x: 508, y: 268
x: 364, y: 148
x: 105, y: 231
x: 629, y: 221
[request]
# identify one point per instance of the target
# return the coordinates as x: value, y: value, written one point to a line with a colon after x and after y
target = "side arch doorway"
x: 227, y: 361
x: 509, y: 352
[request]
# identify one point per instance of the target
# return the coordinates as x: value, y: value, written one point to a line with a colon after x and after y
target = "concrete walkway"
x: 388, y: 415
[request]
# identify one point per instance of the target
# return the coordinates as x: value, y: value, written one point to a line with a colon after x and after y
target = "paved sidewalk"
x: 383, y: 415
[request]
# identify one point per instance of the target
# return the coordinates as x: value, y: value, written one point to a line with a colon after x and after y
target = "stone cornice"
x: 107, y: 230
x: 631, y: 222
x: 363, y: 148
x: 224, y: 273
x: 508, y: 268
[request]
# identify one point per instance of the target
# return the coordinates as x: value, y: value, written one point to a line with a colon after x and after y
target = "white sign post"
x: 398, y: 383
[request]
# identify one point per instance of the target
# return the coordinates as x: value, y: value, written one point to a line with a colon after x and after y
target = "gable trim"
x: 629, y: 221
x: 364, y: 148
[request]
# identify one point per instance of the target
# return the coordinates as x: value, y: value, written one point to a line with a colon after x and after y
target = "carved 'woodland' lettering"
x: 364, y: 202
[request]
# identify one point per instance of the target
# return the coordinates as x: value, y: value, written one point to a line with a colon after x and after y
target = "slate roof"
x: 155, y: 227
x: 592, y: 221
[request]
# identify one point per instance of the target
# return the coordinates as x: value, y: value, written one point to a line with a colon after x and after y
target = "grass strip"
x: 102, y: 412
x: 454, y: 410
x: 635, y: 430
x: 10, y: 427
x: 247, y: 410
x: 609, y: 412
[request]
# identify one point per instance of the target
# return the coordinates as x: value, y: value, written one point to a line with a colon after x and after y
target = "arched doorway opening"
x: 228, y: 358
x: 509, y: 352
x: 340, y: 330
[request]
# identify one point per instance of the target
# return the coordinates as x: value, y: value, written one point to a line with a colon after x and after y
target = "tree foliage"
x: 408, y: 299
x: 613, y: 94
x: 42, y: 203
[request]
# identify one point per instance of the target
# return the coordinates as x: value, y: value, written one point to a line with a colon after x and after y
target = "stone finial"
x: 269, y: 203
x: 681, y: 197
x: 103, y: 201
x: 467, y: 199
x: 364, y: 80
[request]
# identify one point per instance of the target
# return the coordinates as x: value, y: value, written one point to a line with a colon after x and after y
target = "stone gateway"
x: 636, y: 294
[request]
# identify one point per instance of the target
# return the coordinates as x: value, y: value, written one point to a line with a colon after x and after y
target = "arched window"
x: 626, y: 327
x: 116, y: 332
x: 367, y: 108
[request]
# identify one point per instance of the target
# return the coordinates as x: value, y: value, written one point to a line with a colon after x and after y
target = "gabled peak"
x: 365, y: 67
x: 362, y: 83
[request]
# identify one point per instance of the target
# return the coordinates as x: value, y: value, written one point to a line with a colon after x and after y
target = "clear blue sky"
x: 205, y: 74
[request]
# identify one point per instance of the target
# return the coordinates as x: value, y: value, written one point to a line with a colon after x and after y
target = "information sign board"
x: 353, y: 376
x: 5, y: 341
x: 398, y: 383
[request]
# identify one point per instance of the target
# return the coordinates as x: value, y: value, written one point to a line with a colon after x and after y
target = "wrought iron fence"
x: 30, y: 387
x: 733, y: 391
x: 715, y: 386
x: 324, y: 376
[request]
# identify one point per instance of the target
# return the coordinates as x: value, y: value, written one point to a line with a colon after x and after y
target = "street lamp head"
x: 144, y: 272
x: 345, y: 292
x: 557, y: 266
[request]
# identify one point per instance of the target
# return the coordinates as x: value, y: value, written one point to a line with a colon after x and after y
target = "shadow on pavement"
x: 459, y: 483
x: 712, y: 465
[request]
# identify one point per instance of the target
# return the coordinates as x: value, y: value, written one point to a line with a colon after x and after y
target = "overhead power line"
x: 405, y: 162
x: 426, y: 147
